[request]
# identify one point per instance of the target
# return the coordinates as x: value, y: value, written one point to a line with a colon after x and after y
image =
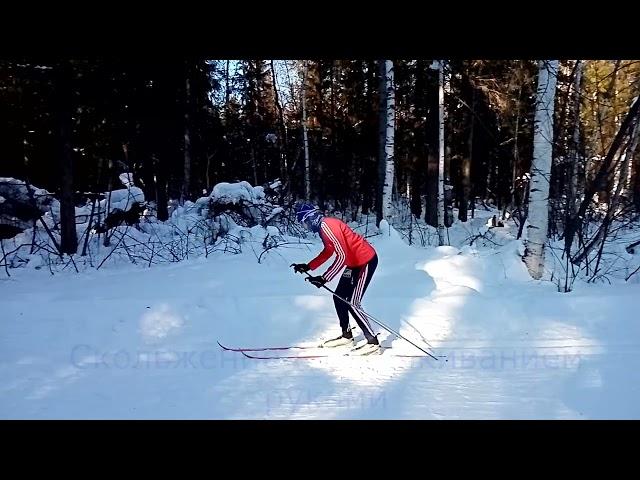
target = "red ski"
x: 265, y: 349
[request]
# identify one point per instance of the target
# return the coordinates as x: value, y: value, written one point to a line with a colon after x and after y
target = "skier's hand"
x: 300, y: 267
x: 318, y: 281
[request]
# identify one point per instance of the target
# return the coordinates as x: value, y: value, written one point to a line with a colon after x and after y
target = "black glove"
x: 318, y: 281
x: 300, y: 267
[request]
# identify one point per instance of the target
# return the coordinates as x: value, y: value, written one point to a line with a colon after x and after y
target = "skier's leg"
x: 369, y: 328
x: 345, y: 290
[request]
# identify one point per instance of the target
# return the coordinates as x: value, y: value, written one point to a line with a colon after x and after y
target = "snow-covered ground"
x: 135, y: 342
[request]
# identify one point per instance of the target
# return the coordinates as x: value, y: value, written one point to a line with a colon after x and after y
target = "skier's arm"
x: 324, y: 254
x: 339, y: 262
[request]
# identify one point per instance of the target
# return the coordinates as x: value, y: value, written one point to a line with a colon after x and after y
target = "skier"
x: 360, y: 259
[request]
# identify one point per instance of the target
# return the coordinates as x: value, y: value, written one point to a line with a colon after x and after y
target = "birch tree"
x: 441, y: 205
x: 307, y: 180
x: 541, y: 168
x: 389, y: 141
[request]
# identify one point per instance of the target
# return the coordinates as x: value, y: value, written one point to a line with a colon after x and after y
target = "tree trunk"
x: 574, y: 165
x: 187, y: 144
x: 382, y: 132
x: 307, y: 163
x: 625, y: 167
x: 227, y: 89
x: 227, y: 95
x: 89, y: 226
x: 255, y: 165
x: 432, y: 136
x: 541, y: 169
x: 282, y: 140
x: 389, y: 142
x: 107, y: 236
x: 636, y: 181
x: 441, y: 203
x: 161, y: 189
x: 515, y: 199
x: 369, y: 167
x: 466, y: 161
x: 64, y: 95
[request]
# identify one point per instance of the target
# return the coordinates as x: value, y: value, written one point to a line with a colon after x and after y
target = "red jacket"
x: 351, y: 249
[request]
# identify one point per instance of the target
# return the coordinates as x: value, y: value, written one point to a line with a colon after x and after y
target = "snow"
x: 159, y: 323
x: 132, y: 342
x: 234, y: 192
x: 122, y: 199
x: 16, y: 189
x: 126, y: 179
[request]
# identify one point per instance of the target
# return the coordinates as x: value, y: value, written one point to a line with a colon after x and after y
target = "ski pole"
x: 372, y: 318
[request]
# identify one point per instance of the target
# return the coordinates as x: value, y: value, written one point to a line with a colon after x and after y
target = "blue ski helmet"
x: 309, y: 215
